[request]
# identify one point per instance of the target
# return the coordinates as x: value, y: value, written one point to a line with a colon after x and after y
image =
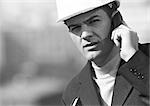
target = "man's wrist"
x: 126, y: 55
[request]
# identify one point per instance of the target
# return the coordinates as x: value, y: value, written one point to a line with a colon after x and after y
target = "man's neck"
x: 114, y: 60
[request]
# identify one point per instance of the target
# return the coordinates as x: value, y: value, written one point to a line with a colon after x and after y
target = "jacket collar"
x: 88, y: 93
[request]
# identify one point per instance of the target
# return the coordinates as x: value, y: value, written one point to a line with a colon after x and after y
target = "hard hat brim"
x: 75, y: 14
x: 68, y: 16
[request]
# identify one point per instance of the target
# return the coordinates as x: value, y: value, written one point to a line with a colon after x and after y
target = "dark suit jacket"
x: 131, y: 86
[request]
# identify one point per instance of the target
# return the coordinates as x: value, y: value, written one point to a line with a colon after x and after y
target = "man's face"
x: 91, y: 34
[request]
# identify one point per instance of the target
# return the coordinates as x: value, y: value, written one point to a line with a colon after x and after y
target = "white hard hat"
x: 70, y: 8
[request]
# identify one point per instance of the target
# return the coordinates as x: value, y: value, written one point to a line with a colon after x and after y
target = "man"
x: 117, y: 72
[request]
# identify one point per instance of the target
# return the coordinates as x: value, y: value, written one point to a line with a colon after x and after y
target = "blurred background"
x: 37, y: 57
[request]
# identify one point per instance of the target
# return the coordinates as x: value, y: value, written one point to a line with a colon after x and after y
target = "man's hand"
x: 127, y: 40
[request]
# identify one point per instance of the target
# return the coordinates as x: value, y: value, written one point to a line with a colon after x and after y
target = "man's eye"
x: 75, y: 29
x: 93, y: 21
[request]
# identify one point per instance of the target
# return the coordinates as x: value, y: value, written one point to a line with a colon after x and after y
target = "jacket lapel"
x: 122, y: 89
x: 88, y: 93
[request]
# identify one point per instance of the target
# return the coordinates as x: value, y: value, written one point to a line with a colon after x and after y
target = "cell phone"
x: 117, y: 20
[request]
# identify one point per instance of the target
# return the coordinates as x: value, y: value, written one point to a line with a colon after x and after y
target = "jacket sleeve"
x: 136, y: 71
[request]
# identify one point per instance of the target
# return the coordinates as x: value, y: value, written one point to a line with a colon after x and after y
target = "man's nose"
x: 86, y: 33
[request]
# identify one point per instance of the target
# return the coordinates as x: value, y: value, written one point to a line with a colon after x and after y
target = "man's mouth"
x: 90, y: 44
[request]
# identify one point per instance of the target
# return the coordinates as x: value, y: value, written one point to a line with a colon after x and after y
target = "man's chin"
x: 96, y: 57
x: 92, y: 55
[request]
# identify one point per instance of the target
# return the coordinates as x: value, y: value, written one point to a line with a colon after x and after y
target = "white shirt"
x: 106, y: 81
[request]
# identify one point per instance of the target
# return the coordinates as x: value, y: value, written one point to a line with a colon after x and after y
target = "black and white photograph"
x: 74, y: 52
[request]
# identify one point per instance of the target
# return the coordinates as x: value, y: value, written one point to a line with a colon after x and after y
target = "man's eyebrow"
x: 73, y: 25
